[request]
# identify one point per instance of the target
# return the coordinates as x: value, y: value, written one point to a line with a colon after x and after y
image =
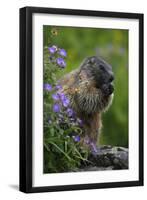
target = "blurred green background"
x: 112, y: 46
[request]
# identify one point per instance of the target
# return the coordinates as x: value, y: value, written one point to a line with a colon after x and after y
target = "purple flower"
x: 70, y: 112
x: 61, y: 95
x: 47, y: 87
x: 65, y: 102
x: 58, y: 87
x: 93, y: 148
x: 56, y: 107
x: 52, y: 49
x: 55, y: 97
x: 77, y: 138
x: 62, y: 52
x: 64, y: 99
x: 61, y: 62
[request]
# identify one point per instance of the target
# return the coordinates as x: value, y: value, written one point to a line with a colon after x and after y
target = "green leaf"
x: 65, y: 154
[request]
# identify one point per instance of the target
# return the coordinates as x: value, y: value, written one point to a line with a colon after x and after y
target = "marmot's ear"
x: 93, y: 59
x: 88, y: 62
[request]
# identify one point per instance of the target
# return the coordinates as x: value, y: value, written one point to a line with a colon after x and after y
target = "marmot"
x: 90, y: 91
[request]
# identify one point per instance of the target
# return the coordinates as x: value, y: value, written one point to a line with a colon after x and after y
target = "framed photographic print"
x: 81, y: 99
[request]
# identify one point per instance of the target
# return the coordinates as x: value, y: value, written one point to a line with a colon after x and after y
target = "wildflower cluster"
x: 65, y: 115
x: 57, y: 56
x: 62, y: 128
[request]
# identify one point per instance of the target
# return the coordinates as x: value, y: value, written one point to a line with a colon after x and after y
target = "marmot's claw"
x: 94, y: 149
x: 97, y: 151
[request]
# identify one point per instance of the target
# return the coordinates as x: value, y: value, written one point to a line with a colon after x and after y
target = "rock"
x: 107, y: 158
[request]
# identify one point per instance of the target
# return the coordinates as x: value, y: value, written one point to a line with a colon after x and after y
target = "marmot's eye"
x: 102, y: 67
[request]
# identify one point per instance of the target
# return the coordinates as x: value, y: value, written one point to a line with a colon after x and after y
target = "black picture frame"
x: 26, y: 99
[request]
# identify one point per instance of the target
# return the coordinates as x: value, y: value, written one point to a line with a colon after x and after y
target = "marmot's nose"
x: 107, y: 89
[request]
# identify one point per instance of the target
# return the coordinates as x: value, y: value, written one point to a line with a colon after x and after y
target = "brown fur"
x: 87, y: 100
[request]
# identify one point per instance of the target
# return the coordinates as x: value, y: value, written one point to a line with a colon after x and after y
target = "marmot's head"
x: 94, y: 83
x: 101, y: 73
